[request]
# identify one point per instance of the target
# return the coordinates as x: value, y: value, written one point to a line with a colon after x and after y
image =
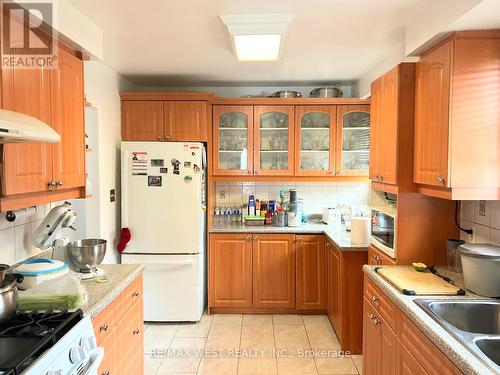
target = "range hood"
x: 17, y: 127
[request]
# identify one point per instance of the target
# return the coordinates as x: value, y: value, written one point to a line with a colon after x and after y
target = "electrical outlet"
x: 222, y: 195
x: 112, y: 195
x: 482, y: 208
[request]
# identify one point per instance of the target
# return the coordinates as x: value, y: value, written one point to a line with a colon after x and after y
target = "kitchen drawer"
x: 107, y: 319
x: 379, y: 258
x: 382, y: 304
x: 432, y: 360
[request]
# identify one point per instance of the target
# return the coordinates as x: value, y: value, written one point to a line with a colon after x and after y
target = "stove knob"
x: 76, y: 354
x: 87, y: 343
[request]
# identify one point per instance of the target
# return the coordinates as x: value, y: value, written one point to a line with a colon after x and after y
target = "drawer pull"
x: 104, y: 328
x: 136, y: 331
x: 105, y: 372
x: 375, y: 298
x: 135, y: 294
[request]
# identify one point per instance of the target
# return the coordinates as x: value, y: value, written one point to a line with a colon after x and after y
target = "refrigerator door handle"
x: 178, y: 263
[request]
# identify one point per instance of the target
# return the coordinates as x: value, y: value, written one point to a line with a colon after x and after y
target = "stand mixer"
x: 83, y: 256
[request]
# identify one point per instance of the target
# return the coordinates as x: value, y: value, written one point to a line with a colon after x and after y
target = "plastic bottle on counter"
x: 251, y: 205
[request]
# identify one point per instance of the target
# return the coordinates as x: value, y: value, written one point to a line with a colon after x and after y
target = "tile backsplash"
x: 316, y: 195
x: 484, y: 218
x: 15, y: 238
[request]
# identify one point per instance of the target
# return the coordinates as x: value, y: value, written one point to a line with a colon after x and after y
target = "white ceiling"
x: 168, y: 42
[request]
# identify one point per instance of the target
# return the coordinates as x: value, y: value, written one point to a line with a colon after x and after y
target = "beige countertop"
x: 450, y: 346
x: 336, y: 234
x: 100, y: 295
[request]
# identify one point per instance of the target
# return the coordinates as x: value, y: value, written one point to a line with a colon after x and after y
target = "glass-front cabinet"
x: 273, y: 140
x: 233, y: 140
x: 353, y: 140
x: 315, y: 140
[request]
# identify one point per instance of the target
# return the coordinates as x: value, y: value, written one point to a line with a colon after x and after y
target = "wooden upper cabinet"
x: 68, y: 120
x: 432, y: 107
x: 376, y: 135
x: 274, y: 271
x: 391, y: 137
x: 384, y: 141
x: 315, y: 130
x: 353, y: 140
x: 233, y: 140
x: 230, y: 270
x: 27, y: 167
x: 310, y: 269
x: 142, y: 120
x: 388, y: 131
x: 273, y: 140
x: 457, y: 142
x: 185, y: 120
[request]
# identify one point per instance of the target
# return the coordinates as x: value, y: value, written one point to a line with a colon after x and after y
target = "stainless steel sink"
x: 475, y: 323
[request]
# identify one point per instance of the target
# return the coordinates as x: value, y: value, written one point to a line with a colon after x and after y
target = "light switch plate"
x: 112, y: 195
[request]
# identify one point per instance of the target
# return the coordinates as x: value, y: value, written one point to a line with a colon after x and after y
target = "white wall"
x: 237, y: 91
x: 102, y: 88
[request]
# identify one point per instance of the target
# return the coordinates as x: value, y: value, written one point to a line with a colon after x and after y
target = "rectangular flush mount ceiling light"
x: 257, y: 37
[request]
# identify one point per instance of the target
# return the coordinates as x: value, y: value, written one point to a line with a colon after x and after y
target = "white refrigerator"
x: 163, y: 204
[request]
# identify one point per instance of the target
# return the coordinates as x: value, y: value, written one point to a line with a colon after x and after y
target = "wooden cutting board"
x: 411, y: 282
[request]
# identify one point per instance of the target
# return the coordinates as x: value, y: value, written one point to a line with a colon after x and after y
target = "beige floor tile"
x: 151, y: 364
x: 223, y: 319
x: 336, y: 366
x: 257, y: 337
x: 224, y: 330
x: 287, y: 319
x: 159, y: 336
x: 296, y: 366
x: 230, y: 341
x: 188, y: 343
x: 358, y: 362
x: 291, y: 337
x: 257, y: 366
x: 198, y: 329
x: 179, y: 365
x: 324, y: 342
x: 257, y: 319
x: 219, y: 366
x: 315, y: 319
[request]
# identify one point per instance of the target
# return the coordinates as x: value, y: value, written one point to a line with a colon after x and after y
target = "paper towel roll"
x: 360, y: 230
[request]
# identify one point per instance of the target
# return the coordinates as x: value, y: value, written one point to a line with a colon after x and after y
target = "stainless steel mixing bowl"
x: 86, y: 254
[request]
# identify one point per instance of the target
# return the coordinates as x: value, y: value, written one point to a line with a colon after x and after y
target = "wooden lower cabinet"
x: 344, y: 295
x: 230, y: 270
x: 310, y: 272
x: 392, y: 344
x: 274, y: 271
x: 119, y: 330
x: 266, y: 272
x: 406, y: 364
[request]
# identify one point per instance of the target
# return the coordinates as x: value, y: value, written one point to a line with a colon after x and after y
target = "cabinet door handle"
x: 60, y: 183
x: 103, y: 328
x: 51, y: 185
x: 249, y: 238
x: 158, y: 138
x: 167, y: 137
x: 256, y: 238
x: 135, y: 294
x: 249, y: 172
x: 440, y: 180
x: 136, y: 331
x: 299, y: 239
x: 105, y: 372
x: 375, y: 298
x: 381, y: 178
x: 330, y: 172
